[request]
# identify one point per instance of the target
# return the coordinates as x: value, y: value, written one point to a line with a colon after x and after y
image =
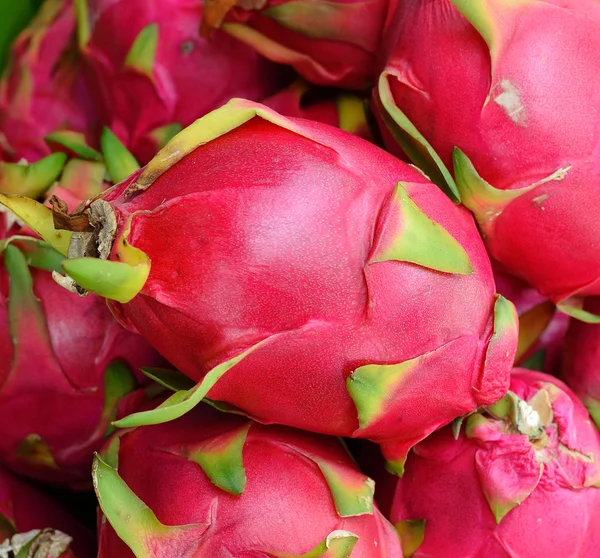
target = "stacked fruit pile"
x: 300, y: 278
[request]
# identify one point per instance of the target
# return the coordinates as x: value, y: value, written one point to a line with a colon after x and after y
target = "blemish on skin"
x: 510, y: 101
x: 187, y: 47
x: 540, y: 200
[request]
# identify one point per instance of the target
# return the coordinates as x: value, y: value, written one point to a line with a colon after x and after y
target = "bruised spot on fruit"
x: 187, y: 47
x: 510, y: 101
x: 539, y: 200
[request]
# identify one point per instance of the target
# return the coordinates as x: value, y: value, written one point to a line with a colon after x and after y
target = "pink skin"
x: 456, y: 101
x: 56, y: 97
x: 581, y: 360
x: 445, y: 480
x: 60, y: 365
x: 341, y: 55
x: 255, y: 207
x: 28, y: 508
x: 191, y: 75
x: 286, y: 506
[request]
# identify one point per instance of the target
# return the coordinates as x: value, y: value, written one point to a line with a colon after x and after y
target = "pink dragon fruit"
x: 42, y: 91
x: 67, y: 368
x: 483, y: 84
x: 257, y: 491
x: 27, y: 179
x: 541, y: 328
x: 581, y: 360
x: 327, y: 42
x: 90, y: 172
x: 364, y: 296
x: 33, y: 523
x: 520, y: 480
x: 342, y: 110
x: 153, y: 73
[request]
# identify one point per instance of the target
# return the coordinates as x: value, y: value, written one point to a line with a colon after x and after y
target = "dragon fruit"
x: 481, y: 85
x: 331, y: 43
x: 42, y: 90
x: 153, y: 73
x: 342, y: 110
x: 339, y: 291
x: 67, y: 368
x: 257, y: 491
x: 581, y: 360
x: 519, y: 480
x: 30, y: 519
x: 541, y: 328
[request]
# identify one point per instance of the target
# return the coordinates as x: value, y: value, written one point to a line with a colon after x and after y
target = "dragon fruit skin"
x: 328, y: 43
x: 494, y: 493
x: 523, y: 166
x: 359, y: 334
x: 174, y: 79
x: 257, y: 491
x: 581, y: 360
x: 42, y: 91
x: 24, y: 508
x: 67, y: 369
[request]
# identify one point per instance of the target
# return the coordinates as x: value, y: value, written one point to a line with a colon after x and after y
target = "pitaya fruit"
x: 581, y: 360
x: 13, y: 21
x: 331, y: 43
x: 340, y: 109
x: 31, y: 179
x: 42, y: 91
x: 153, y: 73
x: 541, y: 328
x: 483, y: 84
x: 216, y: 484
x: 67, y: 368
x: 364, y: 295
x: 89, y: 172
x: 36, y: 525
x: 519, y: 480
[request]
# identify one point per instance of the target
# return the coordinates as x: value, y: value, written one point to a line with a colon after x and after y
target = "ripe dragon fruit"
x: 519, y: 480
x: 67, y: 368
x: 257, y: 491
x: 364, y: 296
x: 581, y: 360
x: 541, y: 328
x: 153, y: 73
x: 483, y: 84
x: 36, y: 525
x: 31, y: 179
x: 342, y: 110
x: 331, y: 43
x: 42, y: 91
